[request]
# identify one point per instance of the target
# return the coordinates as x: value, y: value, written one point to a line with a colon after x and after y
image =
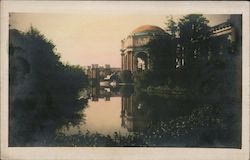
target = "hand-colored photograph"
x: 120, y: 80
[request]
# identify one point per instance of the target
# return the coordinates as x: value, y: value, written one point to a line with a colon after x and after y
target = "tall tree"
x: 162, y: 58
x: 171, y: 27
x: 194, y: 35
x: 44, y: 92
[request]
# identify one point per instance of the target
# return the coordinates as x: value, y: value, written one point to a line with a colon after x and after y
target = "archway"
x: 141, y: 61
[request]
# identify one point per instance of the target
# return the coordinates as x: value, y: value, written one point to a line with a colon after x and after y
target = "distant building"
x: 95, y: 71
x: 99, y: 72
x: 107, y: 66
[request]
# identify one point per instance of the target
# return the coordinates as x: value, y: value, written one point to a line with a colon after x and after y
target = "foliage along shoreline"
x: 43, y: 92
x: 202, y: 123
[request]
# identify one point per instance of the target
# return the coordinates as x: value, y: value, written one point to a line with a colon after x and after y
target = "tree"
x: 126, y: 76
x: 162, y: 57
x: 171, y: 27
x: 194, y: 36
x: 44, y: 92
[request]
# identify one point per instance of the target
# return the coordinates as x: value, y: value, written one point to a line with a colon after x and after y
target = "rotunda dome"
x: 148, y: 29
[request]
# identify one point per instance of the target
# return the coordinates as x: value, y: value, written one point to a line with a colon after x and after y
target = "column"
x: 134, y: 63
x: 131, y: 60
x: 125, y: 62
x: 122, y: 61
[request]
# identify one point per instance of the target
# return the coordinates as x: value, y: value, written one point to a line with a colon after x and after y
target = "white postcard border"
x: 115, y: 7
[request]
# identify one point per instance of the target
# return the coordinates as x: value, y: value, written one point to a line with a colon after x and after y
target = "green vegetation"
x: 208, y: 78
x: 205, y: 70
x: 43, y: 91
x: 126, y: 76
x: 171, y: 28
x: 165, y: 91
x: 198, y: 128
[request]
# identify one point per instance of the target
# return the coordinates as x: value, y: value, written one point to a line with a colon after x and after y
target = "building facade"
x: 134, y: 50
x: 225, y: 40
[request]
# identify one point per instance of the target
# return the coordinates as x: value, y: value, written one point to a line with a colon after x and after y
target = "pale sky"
x: 85, y: 39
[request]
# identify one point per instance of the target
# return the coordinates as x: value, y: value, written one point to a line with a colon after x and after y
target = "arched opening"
x: 142, y: 61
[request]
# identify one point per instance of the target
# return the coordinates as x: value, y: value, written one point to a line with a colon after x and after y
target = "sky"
x: 85, y: 39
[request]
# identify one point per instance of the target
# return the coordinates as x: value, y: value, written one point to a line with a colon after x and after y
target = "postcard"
x: 124, y: 80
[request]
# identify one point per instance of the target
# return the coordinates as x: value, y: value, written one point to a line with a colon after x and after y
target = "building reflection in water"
x: 134, y: 115
x: 97, y: 92
x: 132, y: 111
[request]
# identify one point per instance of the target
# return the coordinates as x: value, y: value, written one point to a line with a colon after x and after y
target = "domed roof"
x: 148, y: 29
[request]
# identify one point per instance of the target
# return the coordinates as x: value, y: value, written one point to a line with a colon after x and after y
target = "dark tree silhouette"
x: 171, y: 27
x: 43, y: 91
x: 194, y: 35
x: 126, y: 76
x: 162, y: 59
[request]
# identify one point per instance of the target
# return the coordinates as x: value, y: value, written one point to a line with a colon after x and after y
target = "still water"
x: 125, y: 112
x: 102, y: 116
x: 124, y: 117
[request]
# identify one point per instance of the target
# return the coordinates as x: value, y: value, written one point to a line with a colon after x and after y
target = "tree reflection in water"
x: 151, y: 121
x: 160, y: 121
x: 32, y: 126
x: 175, y: 121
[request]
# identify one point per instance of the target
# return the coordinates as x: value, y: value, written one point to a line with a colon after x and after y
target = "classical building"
x: 226, y: 38
x: 225, y: 41
x: 134, y: 50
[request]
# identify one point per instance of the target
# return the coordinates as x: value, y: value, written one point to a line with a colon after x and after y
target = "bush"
x: 126, y: 76
x: 43, y: 91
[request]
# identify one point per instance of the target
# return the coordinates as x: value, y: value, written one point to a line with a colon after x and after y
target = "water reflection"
x: 124, y: 117
x: 124, y: 111
x: 140, y: 111
x: 97, y: 92
x: 133, y: 114
x: 103, y: 113
x: 102, y: 116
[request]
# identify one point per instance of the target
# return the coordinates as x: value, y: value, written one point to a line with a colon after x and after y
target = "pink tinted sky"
x: 85, y: 39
